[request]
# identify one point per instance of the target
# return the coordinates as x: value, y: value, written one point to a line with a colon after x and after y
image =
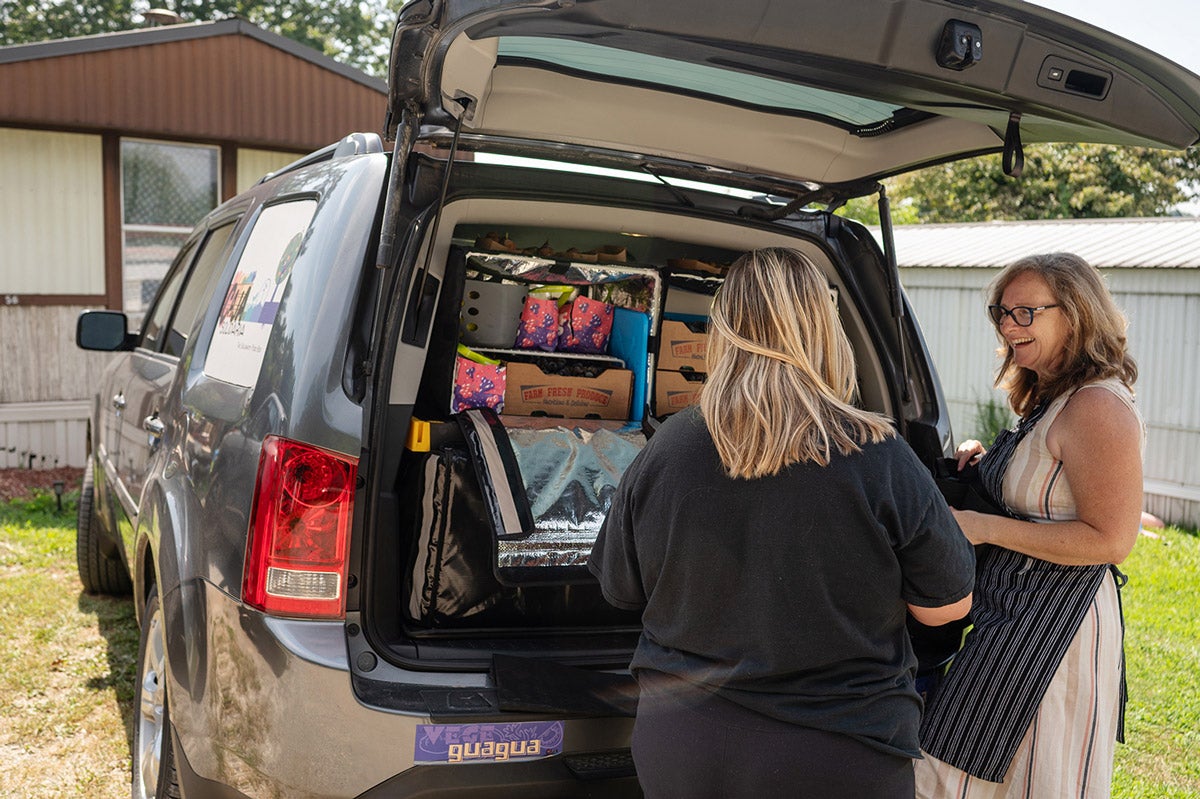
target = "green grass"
x: 1162, y: 652
x: 68, y: 666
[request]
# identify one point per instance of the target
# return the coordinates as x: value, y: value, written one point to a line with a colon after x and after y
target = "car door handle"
x: 118, y: 401
x: 154, y: 426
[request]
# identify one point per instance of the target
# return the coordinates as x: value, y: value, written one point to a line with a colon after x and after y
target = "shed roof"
x: 224, y: 81
x: 1158, y: 242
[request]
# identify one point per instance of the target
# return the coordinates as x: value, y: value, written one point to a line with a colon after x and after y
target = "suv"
x: 351, y: 468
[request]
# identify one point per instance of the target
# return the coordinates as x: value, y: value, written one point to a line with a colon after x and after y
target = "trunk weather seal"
x: 893, y: 279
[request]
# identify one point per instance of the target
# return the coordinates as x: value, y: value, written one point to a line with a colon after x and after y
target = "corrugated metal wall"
x: 1162, y: 306
x: 51, y: 213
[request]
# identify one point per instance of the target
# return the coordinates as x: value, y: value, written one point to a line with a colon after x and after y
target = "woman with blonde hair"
x: 774, y: 539
x: 1032, y: 705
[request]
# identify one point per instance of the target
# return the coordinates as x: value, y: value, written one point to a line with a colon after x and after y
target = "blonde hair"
x: 781, y: 374
x: 1096, y: 346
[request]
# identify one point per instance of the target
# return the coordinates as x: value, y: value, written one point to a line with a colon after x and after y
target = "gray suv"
x: 352, y: 464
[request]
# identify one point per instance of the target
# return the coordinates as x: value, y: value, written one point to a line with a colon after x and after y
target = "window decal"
x: 252, y: 302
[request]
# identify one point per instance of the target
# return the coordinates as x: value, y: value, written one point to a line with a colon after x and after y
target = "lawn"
x: 67, y: 666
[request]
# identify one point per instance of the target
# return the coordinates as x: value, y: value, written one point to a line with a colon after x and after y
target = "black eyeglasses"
x: 1022, y: 314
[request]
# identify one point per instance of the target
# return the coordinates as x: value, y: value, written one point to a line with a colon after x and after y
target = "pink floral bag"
x: 477, y: 385
x: 587, y: 325
x: 539, y: 324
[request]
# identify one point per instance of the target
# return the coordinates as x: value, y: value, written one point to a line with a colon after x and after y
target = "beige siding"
x: 253, y: 164
x: 43, y: 435
x: 39, y: 361
x: 51, y: 213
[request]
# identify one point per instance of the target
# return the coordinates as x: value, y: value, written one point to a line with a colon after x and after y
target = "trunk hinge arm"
x: 406, y: 135
x: 411, y: 42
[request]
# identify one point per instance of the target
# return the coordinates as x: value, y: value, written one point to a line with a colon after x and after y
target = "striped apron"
x: 1032, y: 704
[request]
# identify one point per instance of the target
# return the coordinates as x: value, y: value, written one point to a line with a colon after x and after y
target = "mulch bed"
x: 21, y: 483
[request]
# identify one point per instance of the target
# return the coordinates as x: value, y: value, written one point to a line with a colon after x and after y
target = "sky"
x: 1168, y: 27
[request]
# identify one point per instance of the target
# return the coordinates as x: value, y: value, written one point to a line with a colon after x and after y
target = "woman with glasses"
x: 774, y: 539
x: 1033, y: 704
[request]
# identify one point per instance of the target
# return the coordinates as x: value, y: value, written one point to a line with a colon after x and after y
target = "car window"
x: 643, y: 69
x: 156, y: 320
x: 197, y: 290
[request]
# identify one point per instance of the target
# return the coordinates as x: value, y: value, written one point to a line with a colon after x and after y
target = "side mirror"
x: 103, y: 330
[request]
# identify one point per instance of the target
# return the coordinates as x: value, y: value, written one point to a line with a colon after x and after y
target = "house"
x: 111, y: 148
x: 1152, y: 267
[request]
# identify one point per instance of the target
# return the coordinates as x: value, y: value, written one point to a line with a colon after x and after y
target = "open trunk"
x: 479, y: 516
x: 497, y: 452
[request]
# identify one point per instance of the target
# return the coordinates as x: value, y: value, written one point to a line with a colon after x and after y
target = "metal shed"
x: 1152, y: 267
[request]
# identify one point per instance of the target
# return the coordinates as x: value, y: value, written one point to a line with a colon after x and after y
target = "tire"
x: 153, y: 774
x: 99, y: 573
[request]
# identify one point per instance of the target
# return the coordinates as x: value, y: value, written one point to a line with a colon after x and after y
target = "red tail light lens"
x: 300, y: 531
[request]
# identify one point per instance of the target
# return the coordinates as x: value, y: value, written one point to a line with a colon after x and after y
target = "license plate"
x: 487, y: 743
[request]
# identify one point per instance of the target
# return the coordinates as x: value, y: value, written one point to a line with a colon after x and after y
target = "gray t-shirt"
x: 785, y: 594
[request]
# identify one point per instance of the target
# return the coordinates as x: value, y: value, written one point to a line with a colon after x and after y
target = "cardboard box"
x: 680, y: 348
x: 674, y: 391
x: 530, y: 392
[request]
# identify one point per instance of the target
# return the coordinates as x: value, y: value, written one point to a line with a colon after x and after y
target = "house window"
x: 166, y: 188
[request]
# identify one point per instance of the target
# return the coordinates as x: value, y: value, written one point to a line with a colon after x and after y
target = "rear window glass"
x: 668, y: 74
x: 251, y: 304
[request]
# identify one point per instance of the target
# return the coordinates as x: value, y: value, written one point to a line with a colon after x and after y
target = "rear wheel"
x: 154, y: 775
x: 99, y: 573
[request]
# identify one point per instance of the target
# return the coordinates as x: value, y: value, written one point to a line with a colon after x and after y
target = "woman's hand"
x: 1097, y: 438
x: 969, y: 451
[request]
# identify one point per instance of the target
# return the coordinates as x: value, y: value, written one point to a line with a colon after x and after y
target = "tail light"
x: 299, y: 531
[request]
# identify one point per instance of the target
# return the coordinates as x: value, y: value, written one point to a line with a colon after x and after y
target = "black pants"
x: 692, y: 745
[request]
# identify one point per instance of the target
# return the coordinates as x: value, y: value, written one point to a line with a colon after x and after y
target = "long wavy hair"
x: 1096, y: 347
x: 781, y: 373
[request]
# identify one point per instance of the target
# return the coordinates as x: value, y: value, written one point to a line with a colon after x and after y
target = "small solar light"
x: 59, y: 486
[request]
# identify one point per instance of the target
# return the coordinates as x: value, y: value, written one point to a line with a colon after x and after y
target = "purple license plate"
x: 487, y: 743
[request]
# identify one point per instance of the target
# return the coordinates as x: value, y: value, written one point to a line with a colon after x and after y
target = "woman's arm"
x: 936, y: 617
x: 1098, y: 439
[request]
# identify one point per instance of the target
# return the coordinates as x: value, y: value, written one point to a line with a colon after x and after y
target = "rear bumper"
x: 596, y: 775
x: 608, y: 775
x: 265, y: 707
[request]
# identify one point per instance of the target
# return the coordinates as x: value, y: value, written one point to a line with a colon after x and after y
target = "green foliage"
x: 40, y: 511
x: 1060, y: 181
x: 356, y: 33
x: 42, y: 20
x: 353, y: 33
x: 866, y: 211
x: 992, y: 417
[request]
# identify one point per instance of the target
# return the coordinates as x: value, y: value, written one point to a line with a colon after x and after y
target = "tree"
x: 866, y: 210
x: 22, y: 22
x: 1060, y: 181
x: 355, y: 33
